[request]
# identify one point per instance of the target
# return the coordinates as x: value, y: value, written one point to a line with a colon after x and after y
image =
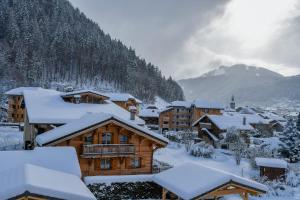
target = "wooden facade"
x: 126, y: 104
x: 112, y: 149
x: 16, y: 108
x: 181, y: 118
x: 85, y: 97
x: 29, y: 196
x: 205, y: 125
x: 230, y: 188
x: 175, y: 119
x: 272, y: 173
x: 199, y: 112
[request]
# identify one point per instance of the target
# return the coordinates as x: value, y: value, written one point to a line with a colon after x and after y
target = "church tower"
x: 232, y: 103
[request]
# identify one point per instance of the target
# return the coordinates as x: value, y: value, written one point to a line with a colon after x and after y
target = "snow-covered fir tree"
x: 44, y: 41
x: 298, y: 122
x: 236, y: 143
x: 290, y: 138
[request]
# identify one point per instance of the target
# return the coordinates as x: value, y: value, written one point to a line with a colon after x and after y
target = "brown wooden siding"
x: 15, y: 109
x: 120, y: 164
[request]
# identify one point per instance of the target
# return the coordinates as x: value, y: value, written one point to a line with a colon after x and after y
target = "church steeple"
x: 232, y: 103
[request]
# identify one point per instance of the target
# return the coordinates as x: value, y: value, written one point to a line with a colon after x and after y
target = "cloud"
x: 188, y: 38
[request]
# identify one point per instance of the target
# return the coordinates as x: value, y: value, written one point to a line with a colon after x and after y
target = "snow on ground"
x: 10, y: 138
x: 222, y: 160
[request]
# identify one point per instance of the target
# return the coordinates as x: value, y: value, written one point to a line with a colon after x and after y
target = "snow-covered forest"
x: 44, y: 41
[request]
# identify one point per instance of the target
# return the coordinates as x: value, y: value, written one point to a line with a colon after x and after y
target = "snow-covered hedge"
x: 132, y: 190
x: 202, y: 149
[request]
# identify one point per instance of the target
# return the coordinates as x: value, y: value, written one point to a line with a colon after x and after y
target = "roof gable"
x: 191, y: 180
x: 70, y: 94
x: 91, y: 121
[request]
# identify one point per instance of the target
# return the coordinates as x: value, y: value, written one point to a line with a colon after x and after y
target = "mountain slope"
x: 44, y: 41
x: 247, y: 83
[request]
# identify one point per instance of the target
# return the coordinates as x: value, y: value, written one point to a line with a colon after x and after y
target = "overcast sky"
x: 187, y: 38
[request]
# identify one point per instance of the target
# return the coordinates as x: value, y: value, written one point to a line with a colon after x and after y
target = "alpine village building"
x: 109, y: 140
x: 180, y: 115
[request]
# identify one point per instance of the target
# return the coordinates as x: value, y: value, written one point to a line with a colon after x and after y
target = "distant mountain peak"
x: 241, y: 68
x: 247, y: 83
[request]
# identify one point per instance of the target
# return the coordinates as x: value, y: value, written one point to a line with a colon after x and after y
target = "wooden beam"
x: 227, y: 191
x: 164, y: 194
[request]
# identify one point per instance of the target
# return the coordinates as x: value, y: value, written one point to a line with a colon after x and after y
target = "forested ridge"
x: 44, y: 41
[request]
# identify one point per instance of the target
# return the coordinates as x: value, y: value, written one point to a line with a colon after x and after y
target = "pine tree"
x: 298, y: 122
x: 291, y: 142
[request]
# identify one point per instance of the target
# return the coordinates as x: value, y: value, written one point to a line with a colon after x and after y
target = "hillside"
x: 247, y: 83
x: 46, y: 41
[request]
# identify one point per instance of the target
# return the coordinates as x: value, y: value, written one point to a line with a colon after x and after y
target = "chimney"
x: 244, y: 120
x: 77, y: 98
x: 132, y: 110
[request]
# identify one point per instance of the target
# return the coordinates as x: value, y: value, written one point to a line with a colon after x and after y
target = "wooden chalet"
x: 16, y: 104
x: 125, y: 100
x: 151, y: 117
x: 175, y: 117
x: 272, y: 168
x: 200, y: 108
x: 85, y: 96
x: 180, y: 115
x: 212, y: 128
x: 107, y: 145
x: 192, y: 181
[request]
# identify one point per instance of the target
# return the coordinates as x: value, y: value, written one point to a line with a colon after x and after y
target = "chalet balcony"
x: 108, y: 150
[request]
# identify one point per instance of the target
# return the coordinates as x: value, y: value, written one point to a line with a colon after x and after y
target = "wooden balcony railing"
x: 108, y: 149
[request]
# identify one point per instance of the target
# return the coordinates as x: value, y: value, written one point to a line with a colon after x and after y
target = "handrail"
x: 108, y: 149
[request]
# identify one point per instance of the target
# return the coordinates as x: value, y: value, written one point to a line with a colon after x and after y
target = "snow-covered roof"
x: 273, y: 116
x: 90, y: 120
x: 212, y: 136
x: 149, y: 113
x: 186, y: 104
x: 83, y: 91
x: 19, y: 91
x: 271, y: 162
x: 200, y: 103
x: 115, y: 96
x: 42, y: 181
x: 224, y: 122
x: 47, y: 107
x: 62, y: 159
x: 250, y: 118
x: 191, y: 180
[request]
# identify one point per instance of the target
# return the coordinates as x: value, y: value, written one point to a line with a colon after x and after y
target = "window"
x: 88, y: 139
x: 14, y: 106
x: 106, y: 138
x: 123, y: 139
x: 105, y: 164
x: 136, y: 163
